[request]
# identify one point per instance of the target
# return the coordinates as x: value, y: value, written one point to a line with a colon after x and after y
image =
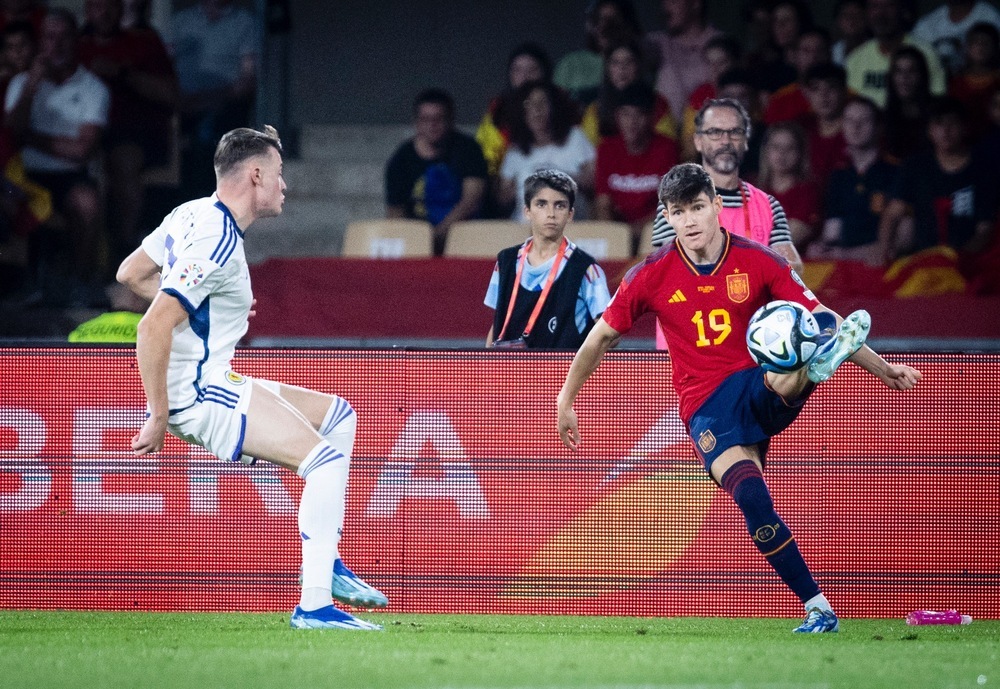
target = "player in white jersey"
x: 194, y: 271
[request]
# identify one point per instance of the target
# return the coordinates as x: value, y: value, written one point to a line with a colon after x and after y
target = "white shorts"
x: 217, y: 422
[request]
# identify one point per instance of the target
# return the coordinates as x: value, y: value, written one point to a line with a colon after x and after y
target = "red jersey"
x: 801, y: 202
x: 633, y: 180
x: 826, y: 154
x: 705, y: 316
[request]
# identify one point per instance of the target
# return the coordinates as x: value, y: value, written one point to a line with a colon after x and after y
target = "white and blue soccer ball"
x: 782, y: 336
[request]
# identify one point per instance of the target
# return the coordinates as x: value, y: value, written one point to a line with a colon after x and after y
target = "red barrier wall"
x: 435, y: 298
x: 462, y: 499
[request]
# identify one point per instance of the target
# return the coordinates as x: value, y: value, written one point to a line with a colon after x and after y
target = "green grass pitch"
x: 79, y: 650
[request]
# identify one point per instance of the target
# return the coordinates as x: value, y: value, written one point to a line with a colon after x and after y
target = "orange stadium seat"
x: 387, y: 238
x: 483, y: 238
x: 604, y: 240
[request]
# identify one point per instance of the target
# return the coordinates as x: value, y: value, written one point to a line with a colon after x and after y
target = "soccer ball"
x: 782, y: 336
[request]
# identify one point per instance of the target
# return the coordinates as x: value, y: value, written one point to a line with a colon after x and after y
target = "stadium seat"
x: 605, y: 241
x: 387, y: 238
x: 646, y: 239
x: 483, y: 238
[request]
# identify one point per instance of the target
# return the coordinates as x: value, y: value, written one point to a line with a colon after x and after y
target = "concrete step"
x: 312, y: 177
x: 309, y: 227
x: 351, y: 142
x: 357, y: 142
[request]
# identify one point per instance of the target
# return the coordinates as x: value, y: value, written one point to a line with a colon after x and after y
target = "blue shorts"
x: 742, y: 411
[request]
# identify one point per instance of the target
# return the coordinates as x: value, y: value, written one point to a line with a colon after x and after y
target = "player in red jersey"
x: 704, y: 287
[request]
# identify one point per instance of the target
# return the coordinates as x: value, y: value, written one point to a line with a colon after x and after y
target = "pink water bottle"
x: 937, y: 617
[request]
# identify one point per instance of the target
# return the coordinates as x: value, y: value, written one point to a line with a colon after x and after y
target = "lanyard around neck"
x: 746, y: 210
x: 545, y: 290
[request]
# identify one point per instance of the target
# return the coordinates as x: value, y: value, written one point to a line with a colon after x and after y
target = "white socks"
x: 339, y: 428
x: 818, y: 601
x: 324, y: 500
x: 321, y: 516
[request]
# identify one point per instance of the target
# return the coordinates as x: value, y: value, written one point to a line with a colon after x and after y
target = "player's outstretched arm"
x: 140, y: 274
x: 586, y: 361
x: 894, y: 376
x: 154, y: 337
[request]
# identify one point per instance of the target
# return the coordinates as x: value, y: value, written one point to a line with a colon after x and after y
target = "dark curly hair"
x: 563, y: 114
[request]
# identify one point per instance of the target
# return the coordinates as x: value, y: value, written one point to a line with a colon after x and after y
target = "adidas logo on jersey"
x: 677, y: 298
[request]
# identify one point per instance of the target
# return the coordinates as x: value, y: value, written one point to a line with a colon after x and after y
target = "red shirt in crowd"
x: 826, y: 154
x: 632, y: 181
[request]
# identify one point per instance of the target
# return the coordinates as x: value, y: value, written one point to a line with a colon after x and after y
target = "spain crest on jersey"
x: 707, y: 441
x: 738, y: 287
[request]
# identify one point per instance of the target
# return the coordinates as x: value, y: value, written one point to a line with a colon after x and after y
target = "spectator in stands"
x: 946, y: 28
x: 631, y: 163
x: 681, y: 49
x: 739, y: 84
x: 784, y: 173
x: 907, y: 104
x: 17, y: 50
x: 22, y: 10
x: 979, y: 77
x: 57, y: 110
x: 546, y: 293
x: 622, y: 69
x: 989, y: 143
x: 755, y: 33
x: 721, y: 54
x: 527, y: 62
x: 24, y: 205
x: 136, y: 14
x: 721, y: 139
x: 543, y: 134
x: 789, y: 103
x: 215, y: 49
x: 950, y: 193
x: 136, y: 68
x: 851, y: 25
x: 868, y: 65
x: 826, y: 89
x: 20, y: 22
x: 776, y: 69
x: 607, y: 21
x: 856, y: 194
x: 440, y: 174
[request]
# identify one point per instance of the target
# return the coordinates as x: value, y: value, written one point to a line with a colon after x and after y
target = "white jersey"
x: 200, y: 249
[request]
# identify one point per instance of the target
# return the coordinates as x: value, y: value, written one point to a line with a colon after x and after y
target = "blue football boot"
x: 348, y: 587
x: 329, y: 618
x: 818, y: 622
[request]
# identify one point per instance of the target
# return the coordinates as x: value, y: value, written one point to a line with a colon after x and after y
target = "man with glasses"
x: 722, y: 128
